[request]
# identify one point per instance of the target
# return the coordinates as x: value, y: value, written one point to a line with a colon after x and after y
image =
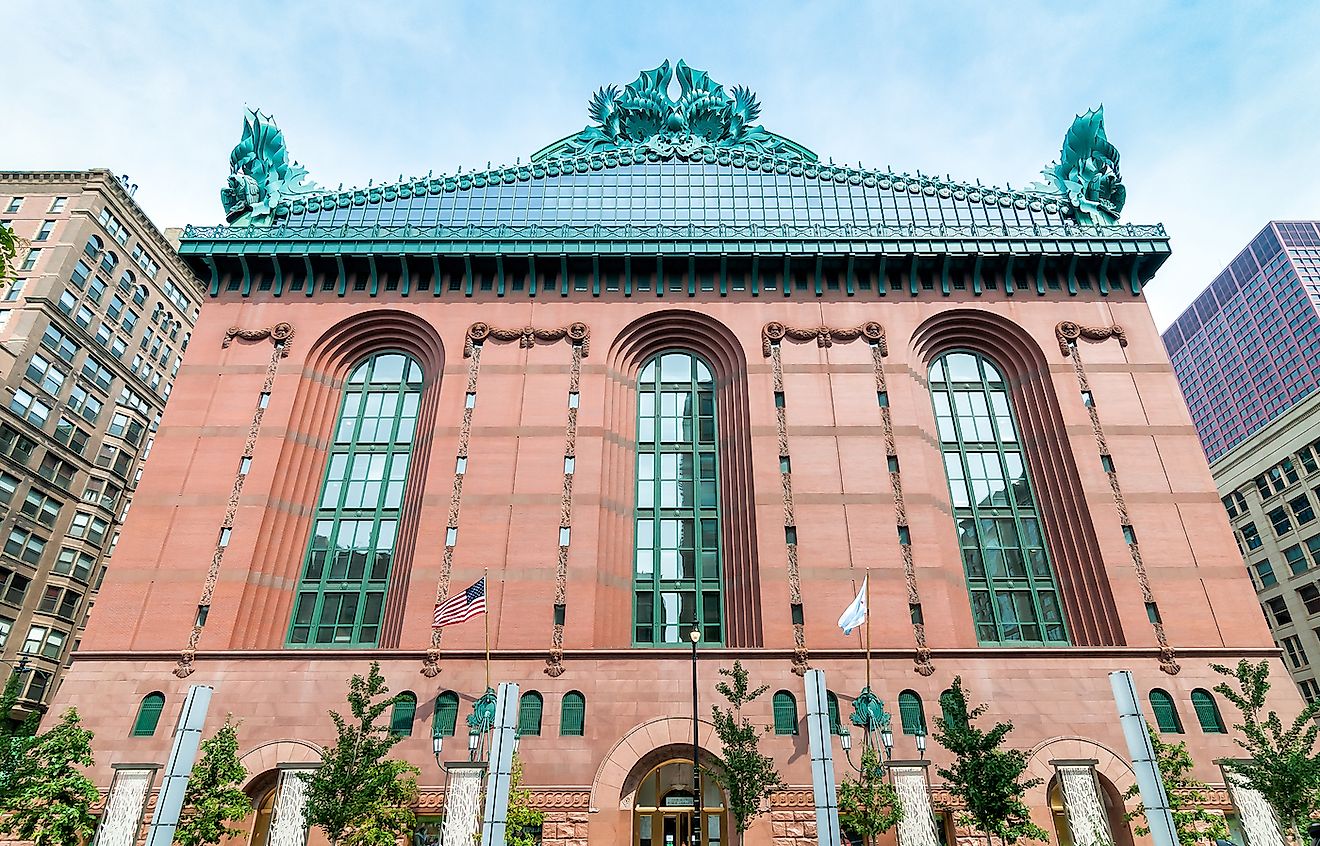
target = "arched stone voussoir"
x: 636, y: 744
x: 1108, y: 762
x: 268, y: 756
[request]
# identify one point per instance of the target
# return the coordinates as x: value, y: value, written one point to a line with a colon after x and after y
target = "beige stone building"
x: 93, y: 324
x: 1271, y: 488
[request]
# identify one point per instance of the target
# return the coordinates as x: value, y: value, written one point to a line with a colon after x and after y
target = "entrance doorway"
x: 664, y: 813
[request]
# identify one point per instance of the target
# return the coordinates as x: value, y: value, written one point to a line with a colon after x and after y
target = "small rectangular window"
x: 790, y: 534
x: 1107, y: 463
x: 568, y: 464
x: 785, y: 466
x: 573, y: 399
x: 470, y: 401
x: 1087, y: 399
x: 224, y: 536
x: 914, y: 611
x: 893, y: 464
x: 264, y: 400
x: 1153, y: 613
x: 244, y: 464
x: 1129, y: 535
x: 43, y: 234
x: 451, y: 536
x: 904, y: 536
x: 57, y: 205
x: 15, y: 204
x: 779, y: 399
x: 564, y: 533
x: 559, y: 614
x: 883, y: 398
x: 460, y: 466
x: 31, y: 260
x: 795, y: 613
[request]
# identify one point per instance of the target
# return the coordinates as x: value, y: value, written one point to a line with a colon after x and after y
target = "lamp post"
x: 694, y: 636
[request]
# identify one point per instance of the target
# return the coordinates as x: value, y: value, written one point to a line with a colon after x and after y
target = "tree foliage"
x: 215, y: 794
x: 522, y: 819
x: 16, y: 736
x: 748, y: 776
x: 985, y: 776
x: 1187, y: 797
x: 8, y: 253
x: 47, y: 800
x: 1281, y: 763
x: 869, y: 806
x: 358, y: 795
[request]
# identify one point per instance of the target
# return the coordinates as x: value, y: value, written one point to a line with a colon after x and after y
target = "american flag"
x: 462, y: 606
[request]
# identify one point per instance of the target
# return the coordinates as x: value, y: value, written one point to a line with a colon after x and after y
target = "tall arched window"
x: 93, y: 247
x: 148, y: 715
x: 529, y: 714
x: 911, y: 713
x: 1013, y: 594
x: 832, y: 708
x: 401, y: 718
x: 446, y: 714
x: 1207, y: 712
x: 1166, y: 713
x: 786, y: 716
x: 342, y: 593
x: 572, y: 714
x: 677, y: 581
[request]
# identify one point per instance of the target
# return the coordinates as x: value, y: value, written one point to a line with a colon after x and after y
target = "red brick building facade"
x: 816, y: 346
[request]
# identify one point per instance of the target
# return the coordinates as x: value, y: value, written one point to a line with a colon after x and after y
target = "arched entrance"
x: 664, y: 810
x: 1119, y: 829
x: 263, y: 791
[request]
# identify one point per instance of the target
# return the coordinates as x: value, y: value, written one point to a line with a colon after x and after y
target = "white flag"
x: 855, y: 614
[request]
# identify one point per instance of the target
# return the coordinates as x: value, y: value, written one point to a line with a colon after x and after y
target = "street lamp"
x: 695, y: 636
x: 921, y: 742
x: 437, y: 743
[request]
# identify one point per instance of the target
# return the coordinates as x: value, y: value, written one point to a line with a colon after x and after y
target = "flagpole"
x: 485, y: 575
x: 866, y: 582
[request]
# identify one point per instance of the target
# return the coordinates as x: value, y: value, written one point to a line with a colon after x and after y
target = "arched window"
x: 910, y: 712
x: 93, y: 247
x: 1207, y: 712
x: 126, y: 280
x: 1166, y: 714
x: 949, y: 708
x: 341, y: 596
x: 529, y: 714
x: 401, y: 718
x: 140, y: 295
x: 832, y: 706
x: 108, y: 262
x: 572, y: 714
x: 1013, y: 594
x: 677, y: 583
x: 446, y: 715
x: 148, y: 715
x: 786, y: 716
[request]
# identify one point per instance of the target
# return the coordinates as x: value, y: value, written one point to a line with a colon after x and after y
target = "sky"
x: 1213, y: 106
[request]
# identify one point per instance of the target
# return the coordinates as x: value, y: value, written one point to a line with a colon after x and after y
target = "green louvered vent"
x: 910, y: 713
x: 446, y: 714
x: 1207, y: 712
x: 1166, y: 715
x: 529, y: 714
x: 573, y: 714
x: 148, y: 715
x: 785, y: 713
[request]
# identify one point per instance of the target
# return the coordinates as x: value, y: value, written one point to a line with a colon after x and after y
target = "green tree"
x: 748, y: 776
x: 1187, y: 796
x: 985, y: 776
x: 48, y: 801
x: 8, y: 253
x: 1281, y: 763
x: 358, y: 795
x: 869, y: 806
x: 215, y: 795
x: 16, y: 736
x: 522, y: 820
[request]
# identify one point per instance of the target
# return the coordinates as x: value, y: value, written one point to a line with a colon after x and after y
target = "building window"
x: 1310, y: 690
x: 6, y: 626
x: 24, y: 546
x: 911, y: 713
x: 45, y: 641
x: 45, y: 374
x: 1013, y: 594
x: 41, y: 508
x: 1265, y: 574
x: 13, y: 587
x: 1166, y: 714
x: 37, y: 685
x: 1280, y: 521
x: 786, y: 716
x: 148, y: 715
x: 573, y: 714
x: 15, y: 204
x: 1250, y: 535
x: 43, y: 234
x: 832, y: 710
x: 26, y: 405
x: 677, y: 582
x: 8, y: 487
x: 1207, y: 712
x: 529, y: 714
x: 57, y: 205
x: 1301, y: 509
x: 31, y: 260
x: 1292, y: 647
x: 75, y: 565
x: 1310, y: 596
x: 341, y: 597
x: 401, y: 718
x: 446, y: 715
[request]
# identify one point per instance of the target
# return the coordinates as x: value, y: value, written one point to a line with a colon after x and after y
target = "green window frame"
x: 401, y: 717
x: 148, y: 715
x: 1166, y: 713
x: 911, y: 713
x: 572, y: 714
x: 677, y: 557
x: 1014, y: 596
x: 786, y: 713
x: 445, y: 721
x: 350, y: 555
x: 530, y: 705
x: 832, y: 706
x: 1207, y: 712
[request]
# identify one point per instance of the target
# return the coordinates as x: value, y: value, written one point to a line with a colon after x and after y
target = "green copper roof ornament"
x: 704, y: 116
x: 262, y: 177
x: 1087, y: 172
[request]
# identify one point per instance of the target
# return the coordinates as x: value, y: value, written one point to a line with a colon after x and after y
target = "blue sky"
x: 1212, y: 105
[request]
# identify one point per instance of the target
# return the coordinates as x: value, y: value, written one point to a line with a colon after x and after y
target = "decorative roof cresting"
x: 704, y: 116
x: 1087, y: 172
x: 262, y: 177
